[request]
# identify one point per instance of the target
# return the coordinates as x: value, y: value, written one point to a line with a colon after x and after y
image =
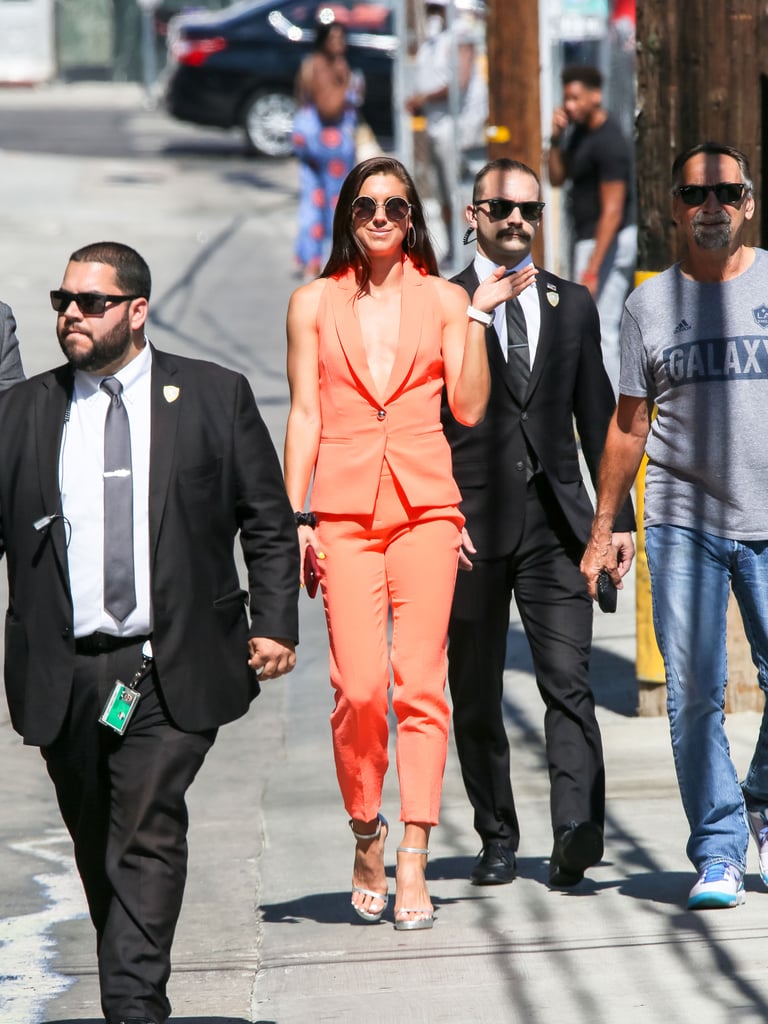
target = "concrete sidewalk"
x: 620, y: 946
x: 267, y: 933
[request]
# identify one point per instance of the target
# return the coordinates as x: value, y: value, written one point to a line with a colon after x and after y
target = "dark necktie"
x: 519, y: 366
x: 119, y: 582
x: 518, y: 354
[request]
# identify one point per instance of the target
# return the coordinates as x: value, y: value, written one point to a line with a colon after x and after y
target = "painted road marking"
x: 27, y: 977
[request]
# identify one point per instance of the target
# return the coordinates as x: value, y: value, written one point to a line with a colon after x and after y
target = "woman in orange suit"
x: 371, y: 343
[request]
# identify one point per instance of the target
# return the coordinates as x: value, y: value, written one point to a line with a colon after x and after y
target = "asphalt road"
x: 106, y: 121
x: 215, y: 225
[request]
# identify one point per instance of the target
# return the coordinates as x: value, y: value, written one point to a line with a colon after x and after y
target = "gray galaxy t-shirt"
x: 700, y: 351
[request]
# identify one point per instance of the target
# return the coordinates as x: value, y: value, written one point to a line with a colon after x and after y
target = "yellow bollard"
x: 649, y: 665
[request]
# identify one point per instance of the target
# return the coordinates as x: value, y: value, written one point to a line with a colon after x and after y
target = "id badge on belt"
x: 123, y: 700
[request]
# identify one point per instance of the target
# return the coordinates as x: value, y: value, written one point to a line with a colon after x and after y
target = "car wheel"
x: 268, y: 123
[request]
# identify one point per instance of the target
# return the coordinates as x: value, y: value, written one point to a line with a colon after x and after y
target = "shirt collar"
x: 484, y: 267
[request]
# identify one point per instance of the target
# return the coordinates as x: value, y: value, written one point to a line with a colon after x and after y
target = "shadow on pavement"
x: 222, y: 147
x: 611, y: 675
x: 323, y: 907
x: 334, y: 907
x: 176, y: 1020
x: 614, y: 682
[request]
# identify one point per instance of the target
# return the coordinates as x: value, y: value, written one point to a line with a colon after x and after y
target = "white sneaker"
x: 719, y: 885
x: 758, y: 826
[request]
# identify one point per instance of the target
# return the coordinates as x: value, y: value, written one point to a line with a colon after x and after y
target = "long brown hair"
x: 347, y: 251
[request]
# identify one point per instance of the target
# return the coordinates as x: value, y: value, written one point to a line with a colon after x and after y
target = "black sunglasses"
x: 500, y: 209
x: 396, y: 208
x: 727, y: 193
x: 89, y: 303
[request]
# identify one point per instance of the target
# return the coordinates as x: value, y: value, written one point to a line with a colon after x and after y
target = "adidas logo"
x: 682, y: 326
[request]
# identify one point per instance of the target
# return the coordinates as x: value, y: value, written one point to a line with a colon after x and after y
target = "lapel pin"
x: 171, y: 392
x: 553, y: 298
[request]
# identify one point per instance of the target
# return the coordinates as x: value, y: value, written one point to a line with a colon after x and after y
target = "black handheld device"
x: 607, y: 594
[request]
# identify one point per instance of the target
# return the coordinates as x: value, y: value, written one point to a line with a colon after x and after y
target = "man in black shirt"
x: 589, y: 151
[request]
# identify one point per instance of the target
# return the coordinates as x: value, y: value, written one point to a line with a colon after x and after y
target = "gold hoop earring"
x: 410, y: 238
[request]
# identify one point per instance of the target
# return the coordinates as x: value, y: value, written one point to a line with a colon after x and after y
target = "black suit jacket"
x: 568, y: 380
x: 213, y: 473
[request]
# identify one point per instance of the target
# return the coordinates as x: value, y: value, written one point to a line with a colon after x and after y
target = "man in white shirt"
x: 126, y: 475
x: 527, y: 521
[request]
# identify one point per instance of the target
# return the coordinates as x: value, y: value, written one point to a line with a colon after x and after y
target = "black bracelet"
x: 305, y: 519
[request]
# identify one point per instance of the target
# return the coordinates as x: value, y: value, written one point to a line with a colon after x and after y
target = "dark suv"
x: 236, y: 66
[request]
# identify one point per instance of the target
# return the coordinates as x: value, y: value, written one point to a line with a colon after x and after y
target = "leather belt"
x: 104, y: 643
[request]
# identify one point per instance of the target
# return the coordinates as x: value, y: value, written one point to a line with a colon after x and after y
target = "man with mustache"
x: 126, y: 475
x: 695, y: 343
x: 527, y: 521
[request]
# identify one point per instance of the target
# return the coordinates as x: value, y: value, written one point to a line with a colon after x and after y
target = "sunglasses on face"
x: 500, y: 209
x: 89, y: 303
x: 396, y: 208
x: 727, y: 193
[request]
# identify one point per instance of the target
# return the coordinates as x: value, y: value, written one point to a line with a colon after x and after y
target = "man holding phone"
x: 694, y: 345
x: 527, y: 521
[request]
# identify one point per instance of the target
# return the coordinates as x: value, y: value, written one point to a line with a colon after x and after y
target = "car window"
x: 355, y: 15
x: 362, y: 17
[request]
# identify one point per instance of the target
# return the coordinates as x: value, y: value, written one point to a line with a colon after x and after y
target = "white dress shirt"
x: 529, y: 303
x: 81, y: 476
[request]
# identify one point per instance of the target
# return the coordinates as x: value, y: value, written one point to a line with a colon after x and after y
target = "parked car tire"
x: 268, y: 123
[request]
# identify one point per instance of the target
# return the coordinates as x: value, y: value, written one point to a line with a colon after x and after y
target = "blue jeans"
x: 691, y: 576
x: 617, y: 274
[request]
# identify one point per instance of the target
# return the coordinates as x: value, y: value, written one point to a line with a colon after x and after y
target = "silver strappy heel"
x: 368, y: 915
x: 417, y: 923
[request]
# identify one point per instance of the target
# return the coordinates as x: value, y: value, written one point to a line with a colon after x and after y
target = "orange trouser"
x: 403, y: 559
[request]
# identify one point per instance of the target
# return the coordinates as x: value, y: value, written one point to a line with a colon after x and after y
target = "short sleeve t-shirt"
x: 434, y: 66
x: 591, y: 158
x: 700, y: 351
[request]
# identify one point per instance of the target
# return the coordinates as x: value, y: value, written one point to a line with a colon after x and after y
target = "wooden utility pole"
x: 513, y: 80
x: 701, y: 74
x: 514, y: 97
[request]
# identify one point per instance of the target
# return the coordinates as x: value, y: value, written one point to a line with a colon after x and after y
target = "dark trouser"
x: 123, y: 801
x: 543, y: 574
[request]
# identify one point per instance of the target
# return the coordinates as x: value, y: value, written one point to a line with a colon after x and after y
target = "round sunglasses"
x: 396, y: 208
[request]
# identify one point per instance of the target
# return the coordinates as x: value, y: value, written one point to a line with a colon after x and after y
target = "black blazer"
x: 568, y: 380
x: 213, y: 473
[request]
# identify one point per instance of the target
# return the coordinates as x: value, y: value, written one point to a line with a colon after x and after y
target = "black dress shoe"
x: 577, y: 847
x: 496, y: 864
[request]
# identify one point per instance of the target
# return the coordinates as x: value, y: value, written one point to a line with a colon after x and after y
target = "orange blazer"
x: 360, y: 429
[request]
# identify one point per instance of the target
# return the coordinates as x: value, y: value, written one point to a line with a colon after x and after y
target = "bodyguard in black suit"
x: 197, y: 469
x: 528, y: 519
